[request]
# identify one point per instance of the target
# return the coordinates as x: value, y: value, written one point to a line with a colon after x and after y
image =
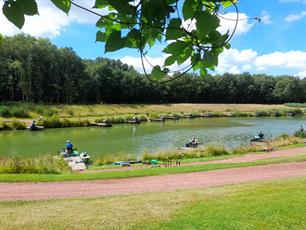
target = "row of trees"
x: 35, y: 70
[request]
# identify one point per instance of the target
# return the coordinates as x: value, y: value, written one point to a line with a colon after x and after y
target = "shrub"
x: 5, y: 112
x: 19, y: 111
x: 300, y: 134
x: 50, y: 112
x: 296, y: 112
x: 7, y: 125
x: 18, y: 125
x: 261, y: 113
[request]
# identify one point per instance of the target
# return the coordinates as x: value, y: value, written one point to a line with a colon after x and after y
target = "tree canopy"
x: 189, y: 28
x: 35, y: 70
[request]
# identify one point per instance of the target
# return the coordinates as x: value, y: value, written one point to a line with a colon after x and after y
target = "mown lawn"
x: 100, y: 175
x: 277, y: 205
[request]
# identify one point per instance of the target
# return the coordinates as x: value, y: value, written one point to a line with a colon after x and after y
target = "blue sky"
x: 275, y: 46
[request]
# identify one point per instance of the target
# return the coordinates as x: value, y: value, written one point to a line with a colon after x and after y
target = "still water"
x: 150, y: 136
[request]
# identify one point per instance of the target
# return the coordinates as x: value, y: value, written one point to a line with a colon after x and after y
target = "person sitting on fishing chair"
x: 261, y: 135
x: 33, y: 125
x: 69, y: 147
x: 194, y: 141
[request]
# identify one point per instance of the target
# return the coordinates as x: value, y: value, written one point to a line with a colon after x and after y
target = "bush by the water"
x: 12, y: 125
x: 38, y: 165
x: 300, y: 134
x: 55, y: 122
x: 15, y: 111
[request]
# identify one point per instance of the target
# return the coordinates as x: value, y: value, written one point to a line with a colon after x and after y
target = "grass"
x: 277, y: 205
x: 36, y: 110
x: 101, y: 175
x: 60, y: 116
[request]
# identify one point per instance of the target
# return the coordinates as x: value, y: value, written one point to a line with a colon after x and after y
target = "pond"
x: 146, y: 137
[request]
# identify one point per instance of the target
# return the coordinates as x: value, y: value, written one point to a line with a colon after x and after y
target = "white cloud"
x: 50, y: 21
x: 236, y: 61
x: 291, y: 59
x: 137, y: 64
x: 265, y: 18
x: 302, y: 74
x: 228, y: 21
x: 239, y: 61
x: 153, y: 61
x: 295, y: 17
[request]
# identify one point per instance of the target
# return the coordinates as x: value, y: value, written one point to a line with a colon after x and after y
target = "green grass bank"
x: 61, y: 116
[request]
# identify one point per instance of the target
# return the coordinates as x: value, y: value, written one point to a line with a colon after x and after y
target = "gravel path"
x: 41, y: 191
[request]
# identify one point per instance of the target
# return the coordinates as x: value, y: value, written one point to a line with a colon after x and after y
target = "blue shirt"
x: 69, y: 146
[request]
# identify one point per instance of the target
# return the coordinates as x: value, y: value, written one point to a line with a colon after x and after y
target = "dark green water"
x: 151, y: 137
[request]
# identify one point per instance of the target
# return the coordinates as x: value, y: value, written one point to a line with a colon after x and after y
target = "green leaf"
x: 175, y: 48
x: 64, y: 5
x: 132, y: 38
x: 157, y: 73
x: 114, y: 41
x: 206, y: 23
x: 189, y: 8
x: 169, y: 60
x: 184, y: 55
x: 29, y: 7
x: 228, y: 3
x: 100, y: 4
x: 13, y: 13
x: 171, y: 1
x: 174, y: 30
x: 227, y: 46
x: 100, y: 36
x: 210, y: 60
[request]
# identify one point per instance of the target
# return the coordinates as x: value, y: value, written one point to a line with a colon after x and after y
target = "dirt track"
x: 40, y: 191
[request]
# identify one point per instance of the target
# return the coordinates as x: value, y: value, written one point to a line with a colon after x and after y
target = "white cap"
x: 68, y: 141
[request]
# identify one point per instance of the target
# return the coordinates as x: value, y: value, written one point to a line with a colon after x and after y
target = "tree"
x: 188, y: 28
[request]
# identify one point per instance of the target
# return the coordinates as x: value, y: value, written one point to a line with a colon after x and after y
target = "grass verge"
x: 141, y: 172
x: 274, y: 205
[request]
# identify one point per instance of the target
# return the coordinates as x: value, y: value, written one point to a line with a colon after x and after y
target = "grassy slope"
x: 116, y: 109
x: 272, y: 205
x: 140, y: 172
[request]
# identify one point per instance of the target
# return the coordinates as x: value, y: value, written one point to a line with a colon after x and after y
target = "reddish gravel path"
x: 39, y: 191
x: 259, y: 156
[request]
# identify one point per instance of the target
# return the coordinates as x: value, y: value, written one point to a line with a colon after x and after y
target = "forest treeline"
x: 35, y: 70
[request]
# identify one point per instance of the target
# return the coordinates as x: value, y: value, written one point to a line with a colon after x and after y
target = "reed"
x: 46, y: 164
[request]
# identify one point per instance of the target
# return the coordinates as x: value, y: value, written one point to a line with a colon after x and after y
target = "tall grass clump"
x: 216, y: 151
x: 47, y: 164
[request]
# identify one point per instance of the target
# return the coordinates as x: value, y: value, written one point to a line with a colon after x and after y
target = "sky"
x: 275, y: 46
